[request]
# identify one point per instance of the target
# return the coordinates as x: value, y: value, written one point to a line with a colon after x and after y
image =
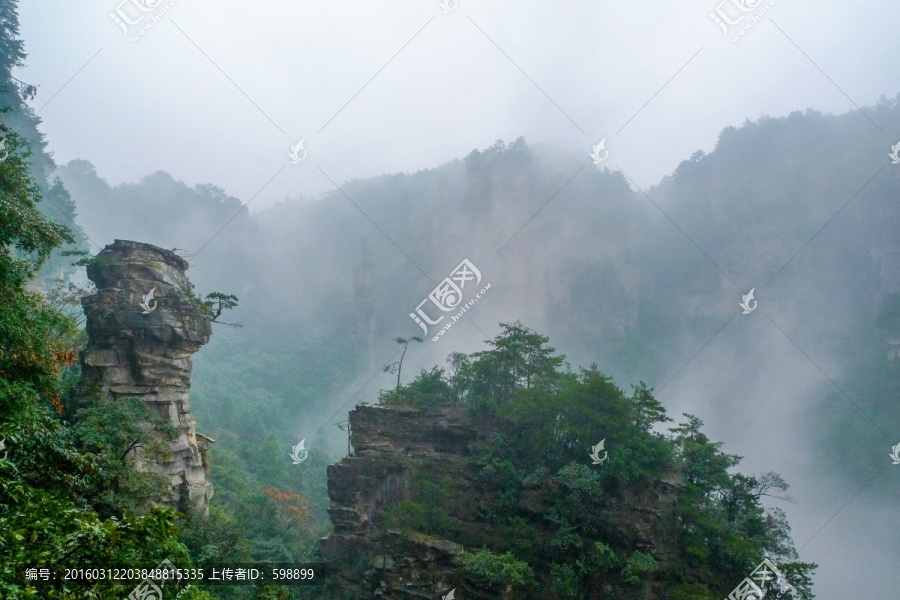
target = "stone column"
x: 142, y: 328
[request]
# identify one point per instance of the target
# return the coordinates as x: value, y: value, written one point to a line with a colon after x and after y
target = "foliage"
x: 115, y: 432
x: 53, y: 508
x: 216, y: 302
x: 637, y: 568
x: 564, y: 583
x: 259, y: 513
x: 398, y: 365
x: 423, y: 511
x: 604, y: 557
x: 428, y: 389
x: 57, y: 206
x: 520, y: 358
x: 498, y: 568
x: 636, y: 332
x: 294, y: 507
x: 544, y: 422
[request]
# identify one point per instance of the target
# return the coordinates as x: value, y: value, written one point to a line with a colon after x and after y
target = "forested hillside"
x: 639, y: 289
x: 603, y: 268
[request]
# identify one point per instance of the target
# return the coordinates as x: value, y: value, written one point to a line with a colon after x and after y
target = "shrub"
x: 498, y: 568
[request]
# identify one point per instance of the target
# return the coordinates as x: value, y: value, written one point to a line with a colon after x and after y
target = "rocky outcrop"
x: 371, y: 557
x: 142, y: 328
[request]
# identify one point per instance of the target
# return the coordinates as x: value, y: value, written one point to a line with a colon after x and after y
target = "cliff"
x: 374, y: 551
x: 142, y: 328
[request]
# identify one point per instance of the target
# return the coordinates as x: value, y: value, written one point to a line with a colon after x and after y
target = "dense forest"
x: 326, y: 285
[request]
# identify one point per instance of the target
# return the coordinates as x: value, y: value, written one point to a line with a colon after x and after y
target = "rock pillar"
x: 142, y: 327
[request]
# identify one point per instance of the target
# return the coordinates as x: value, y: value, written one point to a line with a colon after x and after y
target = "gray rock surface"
x: 144, y: 351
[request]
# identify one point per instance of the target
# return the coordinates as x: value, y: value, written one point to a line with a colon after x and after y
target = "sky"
x: 219, y: 92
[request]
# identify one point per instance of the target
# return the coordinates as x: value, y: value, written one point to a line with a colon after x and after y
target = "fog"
x: 398, y: 86
x: 799, y: 208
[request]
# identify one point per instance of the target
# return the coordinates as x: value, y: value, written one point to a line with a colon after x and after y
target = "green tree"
x: 722, y: 527
x: 398, y: 365
x: 49, y: 486
x: 58, y: 206
x: 217, y: 302
x: 552, y: 511
x: 17, y: 116
x: 519, y: 358
x: 430, y: 388
x: 113, y: 432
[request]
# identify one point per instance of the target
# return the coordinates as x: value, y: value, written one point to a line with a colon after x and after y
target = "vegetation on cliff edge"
x: 662, y: 513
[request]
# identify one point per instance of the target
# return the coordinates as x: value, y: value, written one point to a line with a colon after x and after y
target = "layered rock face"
x: 142, y: 329
x: 369, y: 558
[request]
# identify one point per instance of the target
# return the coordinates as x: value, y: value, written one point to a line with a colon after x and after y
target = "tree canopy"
x: 589, y: 537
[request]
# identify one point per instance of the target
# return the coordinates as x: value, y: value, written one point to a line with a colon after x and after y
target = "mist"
x: 431, y: 138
